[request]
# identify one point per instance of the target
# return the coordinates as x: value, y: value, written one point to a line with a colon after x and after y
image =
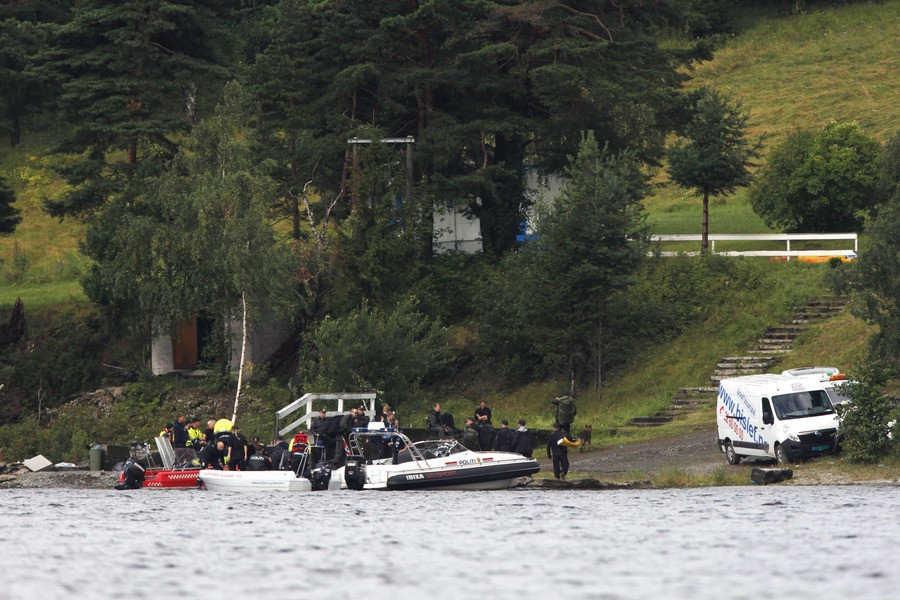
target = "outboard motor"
x: 132, y: 475
x: 355, y: 472
x: 320, y: 477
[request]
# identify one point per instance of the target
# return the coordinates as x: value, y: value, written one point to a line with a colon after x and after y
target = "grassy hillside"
x: 795, y: 72
x: 42, y: 250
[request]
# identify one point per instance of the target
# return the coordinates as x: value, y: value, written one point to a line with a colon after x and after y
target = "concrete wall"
x: 161, y: 354
x: 262, y: 340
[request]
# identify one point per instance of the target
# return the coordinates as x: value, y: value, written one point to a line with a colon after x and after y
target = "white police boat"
x: 443, y: 464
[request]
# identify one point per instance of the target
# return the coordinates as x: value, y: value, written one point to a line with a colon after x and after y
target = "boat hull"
x: 481, y: 477
x: 256, y: 481
x: 171, y: 478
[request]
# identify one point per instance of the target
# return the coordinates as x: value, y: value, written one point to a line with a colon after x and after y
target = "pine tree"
x: 589, y: 247
x: 21, y: 91
x: 127, y: 71
x: 10, y: 217
x: 716, y: 157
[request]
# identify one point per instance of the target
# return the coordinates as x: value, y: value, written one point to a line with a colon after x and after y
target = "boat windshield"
x: 439, y: 448
x: 802, y: 404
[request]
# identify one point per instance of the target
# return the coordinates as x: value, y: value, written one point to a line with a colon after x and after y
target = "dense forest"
x: 284, y: 159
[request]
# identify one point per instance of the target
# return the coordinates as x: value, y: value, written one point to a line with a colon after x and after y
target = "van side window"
x: 768, y: 419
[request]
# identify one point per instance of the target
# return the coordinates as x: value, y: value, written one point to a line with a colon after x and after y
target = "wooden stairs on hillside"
x: 770, y: 347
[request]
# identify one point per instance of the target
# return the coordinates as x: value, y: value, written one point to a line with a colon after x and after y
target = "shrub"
x: 374, y: 349
x: 866, y: 420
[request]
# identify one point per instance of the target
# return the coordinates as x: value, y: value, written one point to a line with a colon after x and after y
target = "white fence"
x: 764, y: 237
x: 306, y: 401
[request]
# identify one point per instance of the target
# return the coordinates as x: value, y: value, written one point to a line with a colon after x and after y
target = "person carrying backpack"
x: 565, y: 412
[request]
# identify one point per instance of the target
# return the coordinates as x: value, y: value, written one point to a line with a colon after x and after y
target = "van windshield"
x: 802, y: 404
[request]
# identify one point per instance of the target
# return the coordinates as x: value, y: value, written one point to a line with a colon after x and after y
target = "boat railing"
x: 307, y: 402
x: 172, y: 458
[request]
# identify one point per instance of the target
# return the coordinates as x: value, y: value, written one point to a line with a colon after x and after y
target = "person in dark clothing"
x: 483, y: 425
x: 448, y: 422
x: 212, y: 455
x: 209, y: 434
x: 318, y: 425
x: 277, y: 457
x: 361, y: 420
x: 558, y: 449
x: 434, y: 424
x: 470, y: 436
x: 258, y: 461
x: 523, y: 440
x: 132, y: 475
x: 237, y: 451
x: 483, y: 414
x: 348, y: 422
x: 326, y: 430
x: 503, y: 438
x: 179, y: 433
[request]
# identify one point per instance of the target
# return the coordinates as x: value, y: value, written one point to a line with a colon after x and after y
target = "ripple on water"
x: 513, y: 544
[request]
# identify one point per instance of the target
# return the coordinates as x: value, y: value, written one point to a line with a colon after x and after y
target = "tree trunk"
x: 501, y: 206
x: 599, y: 355
x: 15, y: 132
x: 572, y: 376
x: 295, y: 203
x: 704, y: 244
x: 237, y: 395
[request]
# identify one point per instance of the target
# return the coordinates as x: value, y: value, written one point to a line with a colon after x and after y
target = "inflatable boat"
x: 442, y: 464
x: 301, y: 476
x: 178, y: 470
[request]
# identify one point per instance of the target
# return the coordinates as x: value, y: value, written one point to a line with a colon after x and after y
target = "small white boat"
x: 251, y: 481
x: 299, y: 478
x: 429, y: 465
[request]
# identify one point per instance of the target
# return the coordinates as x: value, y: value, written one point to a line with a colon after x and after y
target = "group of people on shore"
x: 221, y: 445
x: 479, y: 432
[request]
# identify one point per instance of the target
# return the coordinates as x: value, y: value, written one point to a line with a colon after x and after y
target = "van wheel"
x: 730, y: 455
x: 782, y: 457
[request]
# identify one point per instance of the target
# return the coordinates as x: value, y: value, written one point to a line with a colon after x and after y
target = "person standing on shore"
x: 523, y: 440
x: 503, y: 438
x: 558, y: 449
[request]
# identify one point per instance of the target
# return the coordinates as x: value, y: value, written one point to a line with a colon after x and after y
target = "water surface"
x: 734, y: 543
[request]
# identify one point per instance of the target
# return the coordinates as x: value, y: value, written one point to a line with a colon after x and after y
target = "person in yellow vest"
x: 222, y: 425
x: 195, y: 435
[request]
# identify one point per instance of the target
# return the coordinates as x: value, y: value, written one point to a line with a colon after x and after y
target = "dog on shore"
x: 584, y: 438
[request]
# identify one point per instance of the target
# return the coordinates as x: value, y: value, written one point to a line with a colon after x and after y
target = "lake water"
x: 723, y: 543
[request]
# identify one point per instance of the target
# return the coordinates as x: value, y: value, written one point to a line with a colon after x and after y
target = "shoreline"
x: 682, y: 461
x: 19, y: 477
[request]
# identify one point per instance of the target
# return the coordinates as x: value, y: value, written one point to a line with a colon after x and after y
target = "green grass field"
x: 794, y: 72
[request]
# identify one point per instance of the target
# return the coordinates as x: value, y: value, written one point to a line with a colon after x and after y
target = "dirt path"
x: 695, y: 452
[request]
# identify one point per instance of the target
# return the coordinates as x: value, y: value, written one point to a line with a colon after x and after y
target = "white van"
x: 776, y: 416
